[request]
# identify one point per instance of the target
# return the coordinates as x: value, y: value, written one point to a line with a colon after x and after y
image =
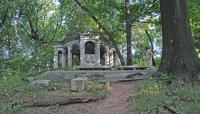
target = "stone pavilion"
x: 84, y: 50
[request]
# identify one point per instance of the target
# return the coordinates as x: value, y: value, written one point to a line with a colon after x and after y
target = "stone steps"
x: 69, y: 73
x: 108, y: 74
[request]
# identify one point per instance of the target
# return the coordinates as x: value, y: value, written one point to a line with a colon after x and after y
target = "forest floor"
x: 116, y: 102
x: 121, y: 98
x: 15, y: 91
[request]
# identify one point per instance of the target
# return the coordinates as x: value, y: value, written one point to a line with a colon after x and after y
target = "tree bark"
x: 37, y: 53
x: 128, y: 32
x: 107, y: 32
x: 36, y: 37
x: 179, y: 58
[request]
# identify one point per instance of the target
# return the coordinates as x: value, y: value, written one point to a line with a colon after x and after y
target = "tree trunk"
x: 4, y: 17
x: 36, y: 37
x: 128, y: 32
x: 179, y: 58
x: 37, y: 53
x: 107, y: 32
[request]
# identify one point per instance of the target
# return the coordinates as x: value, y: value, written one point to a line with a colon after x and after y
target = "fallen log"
x: 62, y: 100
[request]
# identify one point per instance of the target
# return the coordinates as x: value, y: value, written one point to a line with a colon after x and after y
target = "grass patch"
x: 154, y: 96
x: 72, y: 112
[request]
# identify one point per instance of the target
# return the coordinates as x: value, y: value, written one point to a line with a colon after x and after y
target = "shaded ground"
x: 115, y: 103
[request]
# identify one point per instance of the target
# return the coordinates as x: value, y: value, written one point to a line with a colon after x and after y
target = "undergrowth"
x: 155, y: 97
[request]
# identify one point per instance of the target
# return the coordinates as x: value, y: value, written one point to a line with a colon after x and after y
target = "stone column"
x: 63, y: 58
x: 69, y: 55
x: 111, y: 57
x: 117, y: 60
x: 97, y: 53
x: 82, y: 53
x: 107, y: 58
x: 55, y: 59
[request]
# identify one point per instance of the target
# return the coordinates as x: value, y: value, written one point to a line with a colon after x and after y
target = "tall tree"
x: 128, y: 32
x: 179, y: 58
x: 40, y: 21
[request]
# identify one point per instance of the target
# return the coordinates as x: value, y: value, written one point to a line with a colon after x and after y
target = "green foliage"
x: 154, y: 95
x: 54, y: 108
x: 157, y: 60
x: 194, y: 21
x: 163, y: 78
x: 52, y: 20
x: 141, y: 42
x: 32, y: 111
x: 148, y: 99
x: 72, y: 112
x: 8, y: 84
x: 96, y: 87
x: 52, y: 85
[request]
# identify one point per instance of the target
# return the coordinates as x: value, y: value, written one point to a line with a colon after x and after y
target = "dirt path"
x: 115, y: 103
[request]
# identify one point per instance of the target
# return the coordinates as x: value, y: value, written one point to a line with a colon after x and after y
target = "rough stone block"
x: 29, y: 79
x: 79, y: 84
x: 44, y: 83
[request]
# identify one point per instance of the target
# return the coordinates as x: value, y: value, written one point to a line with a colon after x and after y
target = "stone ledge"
x: 94, y: 67
x: 44, y: 83
x: 131, y: 68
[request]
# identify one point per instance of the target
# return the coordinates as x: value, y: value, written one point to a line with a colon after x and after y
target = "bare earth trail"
x: 116, y: 101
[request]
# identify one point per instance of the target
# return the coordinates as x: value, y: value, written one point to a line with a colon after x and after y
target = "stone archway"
x: 85, y: 51
x: 90, y: 53
x: 89, y: 47
x: 114, y: 58
x: 75, y: 54
x: 103, y: 55
x: 59, y: 59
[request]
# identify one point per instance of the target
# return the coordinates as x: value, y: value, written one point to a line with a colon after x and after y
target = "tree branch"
x: 144, y: 12
x: 108, y: 33
x: 5, y: 15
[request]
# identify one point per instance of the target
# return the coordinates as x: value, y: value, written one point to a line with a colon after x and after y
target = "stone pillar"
x: 107, y: 58
x: 63, y: 58
x: 69, y: 55
x: 97, y: 53
x: 55, y: 59
x: 82, y: 53
x: 111, y: 57
x: 117, y: 60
